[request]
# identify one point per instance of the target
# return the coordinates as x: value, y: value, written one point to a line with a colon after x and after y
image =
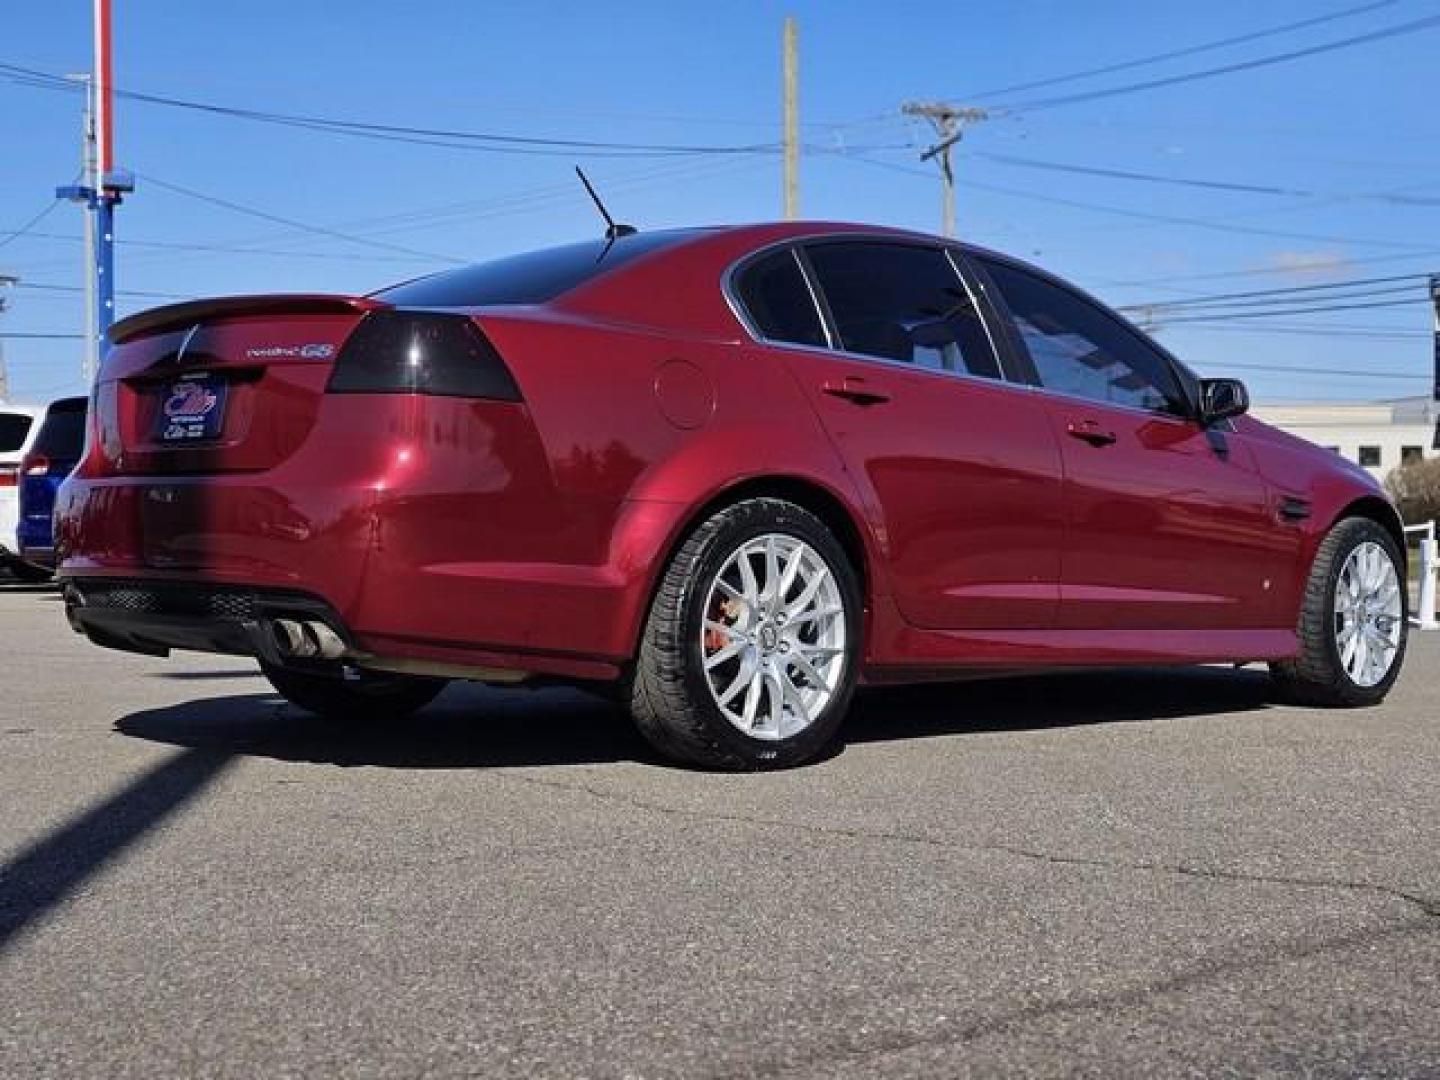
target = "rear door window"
x: 13, y: 429
x: 905, y: 303
x: 62, y: 433
x: 773, y: 292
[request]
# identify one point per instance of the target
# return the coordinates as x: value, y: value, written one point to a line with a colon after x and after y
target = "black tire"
x: 1318, y: 676
x: 669, y: 696
x: 374, y: 696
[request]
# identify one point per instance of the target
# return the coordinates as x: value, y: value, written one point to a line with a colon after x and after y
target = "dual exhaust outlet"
x: 306, y: 639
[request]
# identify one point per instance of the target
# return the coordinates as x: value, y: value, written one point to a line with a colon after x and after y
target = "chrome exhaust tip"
x: 291, y: 640
x: 308, y: 639
x: 327, y: 642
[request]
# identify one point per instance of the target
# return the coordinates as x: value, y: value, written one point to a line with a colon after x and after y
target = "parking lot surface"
x: 1147, y: 873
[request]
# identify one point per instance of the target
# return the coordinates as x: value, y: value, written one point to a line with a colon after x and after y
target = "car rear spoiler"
x: 190, y: 312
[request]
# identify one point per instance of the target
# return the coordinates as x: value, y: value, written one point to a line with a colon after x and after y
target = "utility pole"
x: 1143, y: 317
x: 949, y: 123
x: 1435, y: 302
x: 1435, y: 390
x: 6, y: 280
x: 100, y: 192
x: 792, y: 120
x: 90, y: 362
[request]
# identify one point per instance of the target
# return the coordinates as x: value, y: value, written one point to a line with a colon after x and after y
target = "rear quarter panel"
x: 634, y: 429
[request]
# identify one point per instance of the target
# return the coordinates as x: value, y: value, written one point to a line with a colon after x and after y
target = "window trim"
x: 728, y: 288
x: 987, y: 313
x: 1185, y: 379
x: 828, y: 326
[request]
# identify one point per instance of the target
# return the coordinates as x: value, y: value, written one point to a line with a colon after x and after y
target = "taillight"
x: 8, y: 475
x: 35, y: 465
x: 399, y: 352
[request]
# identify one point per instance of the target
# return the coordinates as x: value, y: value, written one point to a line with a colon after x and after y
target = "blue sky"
x: 1344, y: 144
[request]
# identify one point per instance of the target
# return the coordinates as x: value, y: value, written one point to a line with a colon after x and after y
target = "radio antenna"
x: 613, y: 229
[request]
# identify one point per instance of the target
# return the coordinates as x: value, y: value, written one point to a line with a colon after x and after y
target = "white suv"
x: 18, y: 427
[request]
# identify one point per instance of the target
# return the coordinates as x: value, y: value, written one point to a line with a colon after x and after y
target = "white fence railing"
x: 1424, y: 615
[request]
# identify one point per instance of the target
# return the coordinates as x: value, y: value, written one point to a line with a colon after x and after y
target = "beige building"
x: 1378, y: 436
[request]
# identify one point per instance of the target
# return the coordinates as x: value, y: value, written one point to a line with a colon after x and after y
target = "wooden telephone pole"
x: 949, y: 123
x: 792, y: 121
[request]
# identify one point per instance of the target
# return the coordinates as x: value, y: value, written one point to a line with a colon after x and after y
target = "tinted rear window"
x: 62, y: 433
x: 773, y: 291
x: 531, y: 278
x: 905, y: 303
x: 13, y: 429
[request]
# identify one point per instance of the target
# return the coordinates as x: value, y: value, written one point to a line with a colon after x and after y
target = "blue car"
x: 53, y: 453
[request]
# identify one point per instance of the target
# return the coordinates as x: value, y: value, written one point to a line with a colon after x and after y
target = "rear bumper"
x: 152, y: 617
x: 36, y: 539
x: 423, y: 553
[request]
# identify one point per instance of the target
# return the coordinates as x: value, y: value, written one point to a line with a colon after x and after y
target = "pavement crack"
x: 1428, y: 906
x: 870, y: 1050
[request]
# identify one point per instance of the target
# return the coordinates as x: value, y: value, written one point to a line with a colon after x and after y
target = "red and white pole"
x: 107, y: 191
x: 104, y: 90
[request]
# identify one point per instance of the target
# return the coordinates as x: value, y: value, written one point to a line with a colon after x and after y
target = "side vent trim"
x: 1293, y: 508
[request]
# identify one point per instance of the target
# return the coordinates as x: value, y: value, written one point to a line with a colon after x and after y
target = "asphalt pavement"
x: 1158, y: 873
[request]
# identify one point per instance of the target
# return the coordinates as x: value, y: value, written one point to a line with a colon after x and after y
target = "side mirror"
x: 1221, y: 399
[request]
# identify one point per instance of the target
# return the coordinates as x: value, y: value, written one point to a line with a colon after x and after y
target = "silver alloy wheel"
x: 1368, y: 614
x: 773, y: 636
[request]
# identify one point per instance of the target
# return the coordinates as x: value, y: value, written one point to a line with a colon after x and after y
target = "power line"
x: 1414, y: 26
x: 178, y: 245
x: 1283, y: 295
x: 1125, y: 174
x: 1140, y: 215
x: 48, y: 287
x: 1210, y: 307
x: 1176, y: 54
x: 319, y: 230
x: 1414, y: 278
x: 28, y: 336
x: 1364, y: 333
x: 1228, y: 315
x: 1397, y: 197
x: 454, y: 138
x: 11, y: 235
x: 1336, y: 372
x: 549, y: 195
x: 1268, y: 271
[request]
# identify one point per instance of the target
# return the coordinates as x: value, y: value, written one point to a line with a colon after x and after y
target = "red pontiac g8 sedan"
x: 732, y: 472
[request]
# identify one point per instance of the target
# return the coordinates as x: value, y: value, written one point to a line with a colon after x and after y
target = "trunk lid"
x: 226, y: 385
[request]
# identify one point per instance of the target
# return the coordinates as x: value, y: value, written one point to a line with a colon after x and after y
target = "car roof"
x: 689, y: 270
x: 763, y: 233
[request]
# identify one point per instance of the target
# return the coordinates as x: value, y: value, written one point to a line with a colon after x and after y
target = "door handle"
x: 1091, y: 432
x: 854, y: 389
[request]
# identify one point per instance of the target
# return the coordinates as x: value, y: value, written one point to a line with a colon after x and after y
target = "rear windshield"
x: 13, y: 429
x: 62, y: 434
x: 531, y: 278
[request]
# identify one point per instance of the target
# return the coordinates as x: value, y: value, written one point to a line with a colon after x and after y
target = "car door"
x: 1168, y: 525
x: 960, y: 471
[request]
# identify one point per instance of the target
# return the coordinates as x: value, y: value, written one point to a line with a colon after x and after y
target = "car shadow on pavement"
x: 480, y: 727
x: 1038, y: 702
x: 467, y: 727
x: 477, y: 727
